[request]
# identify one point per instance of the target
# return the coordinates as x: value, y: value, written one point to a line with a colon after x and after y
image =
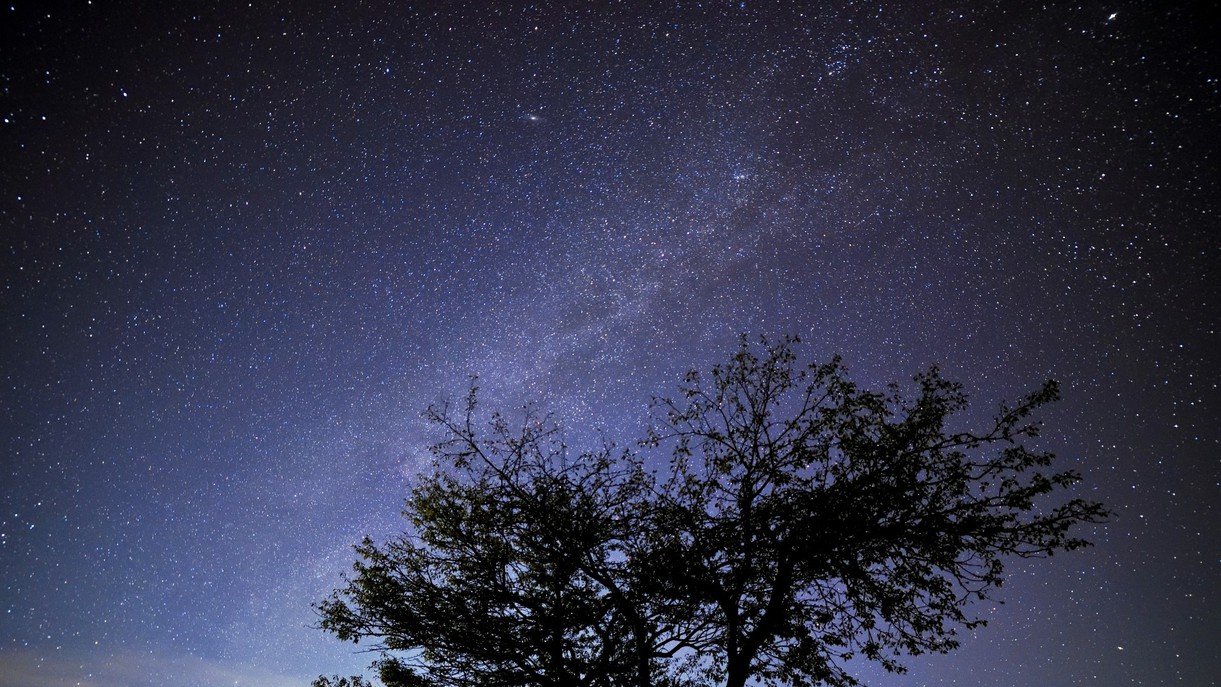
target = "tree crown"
x: 802, y: 522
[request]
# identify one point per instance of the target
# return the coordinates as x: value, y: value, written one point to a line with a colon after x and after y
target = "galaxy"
x: 246, y: 244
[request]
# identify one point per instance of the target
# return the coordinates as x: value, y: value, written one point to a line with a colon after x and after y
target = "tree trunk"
x: 737, y: 672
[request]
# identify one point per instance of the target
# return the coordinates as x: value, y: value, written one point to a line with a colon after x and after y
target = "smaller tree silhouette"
x: 517, y: 570
x: 336, y: 681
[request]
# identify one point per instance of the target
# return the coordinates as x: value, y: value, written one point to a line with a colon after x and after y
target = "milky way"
x: 245, y: 246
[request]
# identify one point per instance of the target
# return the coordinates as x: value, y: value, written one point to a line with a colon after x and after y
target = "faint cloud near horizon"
x: 61, y: 669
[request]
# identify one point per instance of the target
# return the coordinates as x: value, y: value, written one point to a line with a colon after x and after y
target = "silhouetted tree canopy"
x: 801, y: 522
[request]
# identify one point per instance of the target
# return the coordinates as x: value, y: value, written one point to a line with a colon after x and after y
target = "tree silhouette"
x: 802, y: 522
x: 518, y: 570
x: 813, y: 522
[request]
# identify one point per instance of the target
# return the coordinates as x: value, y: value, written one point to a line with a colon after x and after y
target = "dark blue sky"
x: 244, y: 245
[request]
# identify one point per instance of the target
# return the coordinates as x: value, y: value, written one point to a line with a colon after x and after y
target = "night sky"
x: 244, y: 245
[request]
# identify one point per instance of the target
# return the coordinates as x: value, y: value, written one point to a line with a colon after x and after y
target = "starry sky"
x: 245, y: 244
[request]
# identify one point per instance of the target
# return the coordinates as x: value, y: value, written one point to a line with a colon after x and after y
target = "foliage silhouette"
x: 518, y: 571
x: 336, y: 681
x: 802, y: 522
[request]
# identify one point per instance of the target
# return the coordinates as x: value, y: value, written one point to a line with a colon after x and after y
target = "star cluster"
x: 246, y: 244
